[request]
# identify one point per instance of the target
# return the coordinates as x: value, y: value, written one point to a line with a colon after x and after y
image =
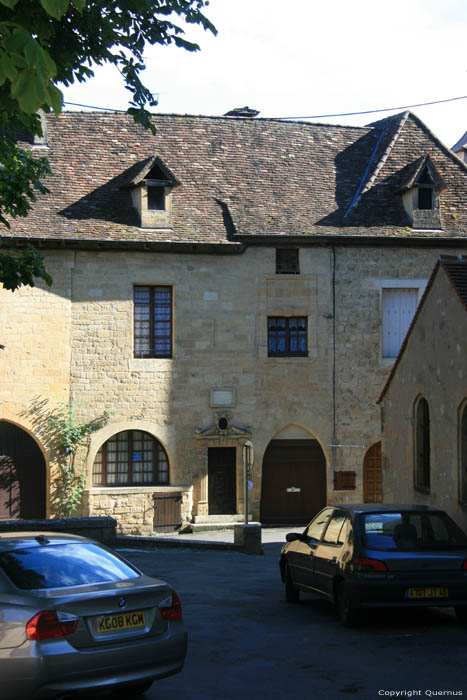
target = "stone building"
x: 226, y: 279
x: 424, y: 401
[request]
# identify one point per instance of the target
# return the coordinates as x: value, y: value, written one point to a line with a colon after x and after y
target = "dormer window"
x: 425, y: 187
x: 421, y: 195
x: 151, y: 192
x: 156, y: 197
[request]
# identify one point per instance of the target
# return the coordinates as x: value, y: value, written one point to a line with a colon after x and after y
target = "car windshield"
x: 410, y: 531
x: 63, y: 565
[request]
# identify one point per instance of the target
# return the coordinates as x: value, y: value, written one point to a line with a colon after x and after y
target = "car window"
x: 333, y: 530
x: 316, y: 527
x: 63, y: 565
x: 411, y: 530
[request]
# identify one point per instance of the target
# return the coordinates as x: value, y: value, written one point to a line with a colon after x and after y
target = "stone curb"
x: 123, y: 541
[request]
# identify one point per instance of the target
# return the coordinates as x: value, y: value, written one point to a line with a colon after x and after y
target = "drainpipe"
x: 334, y: 410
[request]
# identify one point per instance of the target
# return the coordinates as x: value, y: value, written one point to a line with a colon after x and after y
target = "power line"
x: 314, y: 116
x: 374, y: 111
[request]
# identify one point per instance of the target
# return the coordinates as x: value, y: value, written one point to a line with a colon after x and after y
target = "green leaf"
x: 54, y: 98
x: 55, y: 8
x: 79, y: 4
x: 9, y: 3
x: 7, y: 67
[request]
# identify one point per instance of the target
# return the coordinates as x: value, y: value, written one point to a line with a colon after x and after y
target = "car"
x: 364, y: 556
x: 76, y: 617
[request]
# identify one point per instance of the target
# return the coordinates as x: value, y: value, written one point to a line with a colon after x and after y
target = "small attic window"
x: 151, y: 193
x: 156, y: 198
x: 425, y: 187
x: 421, y: 194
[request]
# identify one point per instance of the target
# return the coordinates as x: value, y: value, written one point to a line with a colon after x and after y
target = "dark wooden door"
x: 372, y: 475
x: 22, y: 475
x: 167, y: 512
x: 222, y: 473
x: 9, y: 490
x: 293, y: 481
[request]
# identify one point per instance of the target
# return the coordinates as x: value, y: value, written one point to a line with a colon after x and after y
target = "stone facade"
x: 221, y: 305
x: 241, y: 189
x: 433, y: 366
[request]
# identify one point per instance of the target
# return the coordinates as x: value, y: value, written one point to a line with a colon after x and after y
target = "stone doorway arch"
x: 22, y: 475
x: 293, y: 484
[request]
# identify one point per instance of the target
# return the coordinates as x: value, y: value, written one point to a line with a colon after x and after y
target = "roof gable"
x: 455, y: 269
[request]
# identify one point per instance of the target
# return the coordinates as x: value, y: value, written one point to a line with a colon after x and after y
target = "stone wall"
x: 133, y: 507
x: 77, y: 341
x: 100, y: 529
x: 433, y: 366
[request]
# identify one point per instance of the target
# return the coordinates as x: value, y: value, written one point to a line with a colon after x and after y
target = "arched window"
x: 422, y: 445
x: 463, y: 453
x: 131, y: 458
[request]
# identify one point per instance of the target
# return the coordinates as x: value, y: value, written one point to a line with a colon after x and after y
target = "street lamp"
x: 248, y: 456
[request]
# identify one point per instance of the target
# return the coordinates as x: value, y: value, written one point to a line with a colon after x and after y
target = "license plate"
x: 106, y: 624
x: 423, y: 593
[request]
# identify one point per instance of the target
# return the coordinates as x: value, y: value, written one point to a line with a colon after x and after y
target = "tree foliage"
x: 47, y: 43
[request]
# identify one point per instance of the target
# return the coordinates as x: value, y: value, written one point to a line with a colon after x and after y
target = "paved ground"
x: 246, y: 642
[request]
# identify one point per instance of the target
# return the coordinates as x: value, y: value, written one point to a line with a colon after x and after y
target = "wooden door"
x: 372, y: 475
x: 9, y: 490
x: 222, y: 473
x: 167, y: 512
x: 293, y: 481
x: 22, y: 484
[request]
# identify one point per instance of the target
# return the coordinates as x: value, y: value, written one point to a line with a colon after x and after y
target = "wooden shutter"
x: 398, y: 311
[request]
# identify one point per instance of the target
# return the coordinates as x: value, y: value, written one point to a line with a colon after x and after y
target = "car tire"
x: 461, y: 614
x: 346, y: 612
x: 131, y: 690
x: 292, y: 594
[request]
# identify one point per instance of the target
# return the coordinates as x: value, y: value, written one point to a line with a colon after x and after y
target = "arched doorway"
x: 372, y: 475
x: 293, y: 486
x: 22, y: 475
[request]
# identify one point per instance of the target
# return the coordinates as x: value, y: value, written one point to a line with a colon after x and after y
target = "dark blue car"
x: 374, y: 555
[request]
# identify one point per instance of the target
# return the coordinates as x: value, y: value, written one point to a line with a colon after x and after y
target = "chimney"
x: 242, y: 112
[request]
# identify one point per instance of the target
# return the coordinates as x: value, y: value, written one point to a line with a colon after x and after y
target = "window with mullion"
x: 131, y: 458
x: 153, y: 321
x: 287, y: 336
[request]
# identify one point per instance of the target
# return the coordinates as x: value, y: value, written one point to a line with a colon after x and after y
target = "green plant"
x: 70, y: 434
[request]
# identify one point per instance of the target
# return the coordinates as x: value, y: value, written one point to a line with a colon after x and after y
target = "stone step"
x: 235, y: 518
x: 209, y: 527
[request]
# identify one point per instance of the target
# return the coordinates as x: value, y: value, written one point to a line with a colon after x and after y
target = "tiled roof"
x: 238, y: 177
x: 461, y: 144
x: 456, y: 271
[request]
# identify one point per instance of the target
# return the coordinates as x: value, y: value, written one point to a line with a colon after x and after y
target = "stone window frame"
x: 154, y: 322
x: 287, y: 261
x: 159, y: 460
x: 422, y: 445
x: 288, y: 336
x: 462, y: 442
x: 394, y: 283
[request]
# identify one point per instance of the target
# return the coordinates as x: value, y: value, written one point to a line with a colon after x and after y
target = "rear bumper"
x: 389, y: 593
x: 43, y: 671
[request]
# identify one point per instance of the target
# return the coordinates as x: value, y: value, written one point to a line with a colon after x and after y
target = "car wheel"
x: 348, y: 615
x: 292, y: 594
x: 461, y: 614
x: 132, y: 690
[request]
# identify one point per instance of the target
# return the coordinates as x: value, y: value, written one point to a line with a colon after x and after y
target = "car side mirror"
x: 293, y: 537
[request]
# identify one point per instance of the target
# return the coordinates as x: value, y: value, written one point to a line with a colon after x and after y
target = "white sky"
x: 301, y: 58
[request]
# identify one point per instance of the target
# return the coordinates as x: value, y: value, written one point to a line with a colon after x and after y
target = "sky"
x: 307, y: 58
